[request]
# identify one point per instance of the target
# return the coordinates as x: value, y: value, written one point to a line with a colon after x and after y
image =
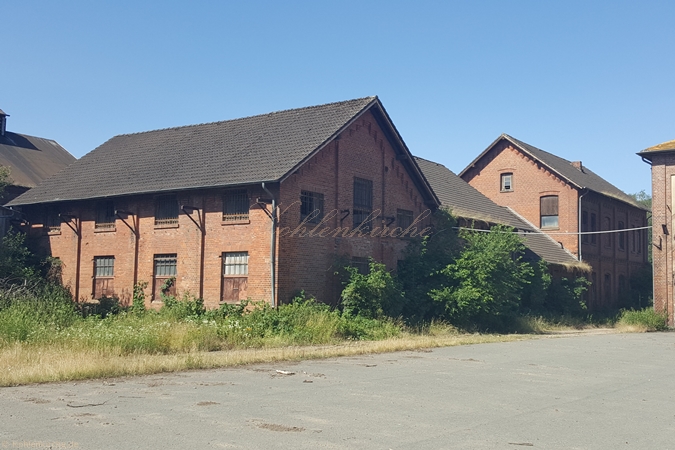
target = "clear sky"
x: 589, y: 81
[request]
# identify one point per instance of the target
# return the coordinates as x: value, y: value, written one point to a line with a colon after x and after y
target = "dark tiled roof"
x: 32, y: 159
x: 582, y: 179
x: 248, y: 150
x: 467, y: 202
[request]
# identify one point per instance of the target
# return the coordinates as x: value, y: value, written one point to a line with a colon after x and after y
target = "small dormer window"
x: 507, y: 182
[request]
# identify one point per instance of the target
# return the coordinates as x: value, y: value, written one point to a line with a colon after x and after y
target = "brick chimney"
x: 577, y: 165
x: 3, y: 122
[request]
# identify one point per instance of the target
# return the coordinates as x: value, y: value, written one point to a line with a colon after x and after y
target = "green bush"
x: 486, y: 280
x: 648, y: 318
x: 371, y: 295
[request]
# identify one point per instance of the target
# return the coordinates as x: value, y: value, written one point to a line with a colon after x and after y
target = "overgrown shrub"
x: 371, y: 295
x: 647, y: 319
x: 486, y: 280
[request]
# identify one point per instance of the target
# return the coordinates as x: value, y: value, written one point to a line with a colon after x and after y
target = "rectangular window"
x: 361, y: 264
x: 506, y: 182
x: 404, y: 218
x: 363, y: 202
x: 639, y: 240
x: 311, y: 205
x: 594, y: 228
x: 105, y: 215
x: 166, y: 210
x: 549, y: 211
x: 236, y: 206
x: 104, y: 271
x: 622, y: 237
x: 235, y: 277
x: 608, y: 236
x: 584, y: 226
x: 165, y: 275
x: 634, y: 246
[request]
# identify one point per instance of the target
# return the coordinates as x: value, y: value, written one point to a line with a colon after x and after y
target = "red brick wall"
x: 531, y: 181
x: 663, y: 169
x: 184, y: 240
x: 361, y: 151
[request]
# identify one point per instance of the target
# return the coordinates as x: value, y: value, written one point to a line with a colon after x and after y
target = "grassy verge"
x: 641, y: 321
x: 25, y: 363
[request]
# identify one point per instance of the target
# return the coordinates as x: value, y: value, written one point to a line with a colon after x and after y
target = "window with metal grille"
x: 235, y: 263
x: 235, y: 205
x: 105, y: 215
x: 53, y: 219
x: 165, y: 265
x: 104, y: 271
x: 549, y: 211
x: 164, y: 281
x: 166, y: 210
x: 104, y: 266
x: 404, y: 218
x: 622, y: 237
x: 506, y: 182
x: 235, y: 277
x: 363, y: 202
x: 311, y: 206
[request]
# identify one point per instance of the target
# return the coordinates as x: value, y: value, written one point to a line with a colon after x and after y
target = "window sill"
x: 550, y: 228
x: 165, y: 225
x: 506, y: 191
x: 235, y: 222
x: 105, y: 230
x: 53, y: 233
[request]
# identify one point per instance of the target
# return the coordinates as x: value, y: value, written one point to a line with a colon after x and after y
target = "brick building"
x: 576, y: 207
x: 475, y: 210
x: 662, y: 160
x: 259, y: 207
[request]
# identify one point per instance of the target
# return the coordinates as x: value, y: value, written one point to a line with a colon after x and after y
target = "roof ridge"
x: 303, y: 108
x: 536, y: 148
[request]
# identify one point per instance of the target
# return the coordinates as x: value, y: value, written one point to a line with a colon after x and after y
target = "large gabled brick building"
x: 575, y: 206
x: 259, y: 207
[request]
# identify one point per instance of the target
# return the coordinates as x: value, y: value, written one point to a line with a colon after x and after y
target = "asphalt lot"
x: 609, y: 391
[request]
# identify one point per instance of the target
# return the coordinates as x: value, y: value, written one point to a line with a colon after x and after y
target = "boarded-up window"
x: 53, y: 219
x: 105, y: 215
x: 164, y: 280
x: 404, y: 218
x: 235, y: 277
x: 166, y: 210
x: 549, y: 211
x: 361, y: 264
x: 363, y: 202
x: 235, y: 206
x: 584, y: 226
x: 104, y: 273
x: 311, y: 206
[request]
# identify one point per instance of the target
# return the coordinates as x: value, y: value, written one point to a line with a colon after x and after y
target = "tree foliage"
x: 488, y: 277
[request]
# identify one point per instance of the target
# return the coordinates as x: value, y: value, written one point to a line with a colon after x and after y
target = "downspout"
x: 579, y: 229
x: 273, y: 239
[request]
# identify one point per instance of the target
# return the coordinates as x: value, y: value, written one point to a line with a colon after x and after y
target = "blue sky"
x: 589, y: 81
